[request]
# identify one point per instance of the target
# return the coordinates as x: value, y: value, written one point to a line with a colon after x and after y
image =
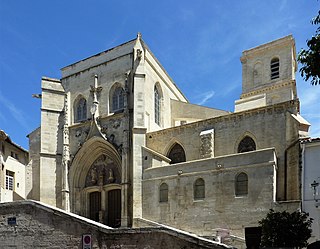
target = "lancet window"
x: 118, y: 99
x: 81, y: 110
x: 157, y: 98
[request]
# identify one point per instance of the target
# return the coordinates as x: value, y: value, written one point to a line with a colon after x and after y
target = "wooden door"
x: 114, y: 208
x: 95, y: 205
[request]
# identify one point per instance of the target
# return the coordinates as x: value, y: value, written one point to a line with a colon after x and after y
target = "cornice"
x: 268, y: 88
x: 284, y: 41
x: 232, y: 116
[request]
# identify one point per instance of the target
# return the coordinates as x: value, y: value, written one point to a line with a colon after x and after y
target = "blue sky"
x: 199, y: 43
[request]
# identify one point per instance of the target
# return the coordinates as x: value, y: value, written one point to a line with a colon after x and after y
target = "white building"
x: 311, y: 183
x: 13, y: 161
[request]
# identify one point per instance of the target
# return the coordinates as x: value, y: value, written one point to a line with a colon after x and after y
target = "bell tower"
x: 268, y: 74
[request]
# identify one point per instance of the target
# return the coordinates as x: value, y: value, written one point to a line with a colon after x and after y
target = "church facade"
x: 120, y: 144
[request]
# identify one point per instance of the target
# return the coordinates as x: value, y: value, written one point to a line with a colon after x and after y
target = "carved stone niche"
x: 102, y: 172
x: 207, y: 144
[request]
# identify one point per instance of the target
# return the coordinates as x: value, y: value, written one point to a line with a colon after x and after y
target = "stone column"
x: 125, y: 161
x: 65, y: 159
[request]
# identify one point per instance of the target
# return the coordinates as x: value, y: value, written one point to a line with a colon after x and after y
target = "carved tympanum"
x: 102, y: 172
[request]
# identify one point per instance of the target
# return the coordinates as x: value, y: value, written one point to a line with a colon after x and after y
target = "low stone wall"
x: 30, y: 224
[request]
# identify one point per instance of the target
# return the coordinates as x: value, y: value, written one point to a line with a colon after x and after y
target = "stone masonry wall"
x: 39, y: 226
x: 268, y: 126
x: 220, y: 208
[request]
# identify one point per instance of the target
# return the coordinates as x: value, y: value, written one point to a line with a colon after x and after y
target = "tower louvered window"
x: 275, y: 68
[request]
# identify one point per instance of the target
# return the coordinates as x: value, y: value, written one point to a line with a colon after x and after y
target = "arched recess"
x: 241, y: 184
x: 245, y: 143
x: 199, y: 189
x: 95, y: 182
x: 176, y: 154
x: 163, y: 192
x: 117, y: 100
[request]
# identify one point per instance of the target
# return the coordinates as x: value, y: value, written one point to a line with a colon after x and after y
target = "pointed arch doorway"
x: 95, y: 181
x: 109, y: 212
x: 103, y: 192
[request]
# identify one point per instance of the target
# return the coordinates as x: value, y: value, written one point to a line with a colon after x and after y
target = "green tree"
x: 310, y: 58
x: 284, y: 229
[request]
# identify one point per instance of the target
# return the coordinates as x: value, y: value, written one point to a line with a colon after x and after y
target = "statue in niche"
x: 111, y: 177
x: 94, y: 176
x: 100, y: 183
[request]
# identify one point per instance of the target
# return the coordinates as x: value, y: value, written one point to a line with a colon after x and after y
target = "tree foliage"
x: 310, y: 58
x: 284, y: 229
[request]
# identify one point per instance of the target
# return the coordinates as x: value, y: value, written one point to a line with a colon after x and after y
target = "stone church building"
x: 120, y: 144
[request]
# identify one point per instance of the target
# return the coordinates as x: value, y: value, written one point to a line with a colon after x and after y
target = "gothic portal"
x: 96, y: 188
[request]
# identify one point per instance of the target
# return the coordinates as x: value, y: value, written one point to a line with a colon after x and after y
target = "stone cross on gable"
x: 95, y: 90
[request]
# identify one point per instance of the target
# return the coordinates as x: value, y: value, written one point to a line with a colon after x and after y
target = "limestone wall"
x: 269, y: 127
x: 155, y: 75
x: 220, y: 208
x: 109, y: 73
x: 182, y: 112
x: 53, y: 97
x: 34, y: 151
x: 39, y: 226
x: 256, y: 63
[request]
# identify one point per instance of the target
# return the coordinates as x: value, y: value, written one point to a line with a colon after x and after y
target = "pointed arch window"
x: 81, y: 110
x: 241, y: 184
x: 177, y: 154
x: 199, y: 189
x: 275, y: 68
x: 246, y: 144
x: 163, y: 192
x: 118, y: 99
x: 157, y: 105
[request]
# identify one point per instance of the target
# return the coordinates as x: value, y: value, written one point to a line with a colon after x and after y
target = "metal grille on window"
x: 156, y: 106
x: 275, y: 66
x: 241, y: 184
x: 199, y: 189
